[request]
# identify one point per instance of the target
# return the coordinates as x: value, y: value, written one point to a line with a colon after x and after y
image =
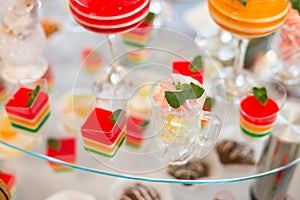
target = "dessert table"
x: 102, y: 178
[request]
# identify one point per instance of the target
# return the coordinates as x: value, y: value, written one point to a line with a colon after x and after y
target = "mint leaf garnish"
x: 32, y: 95
x: 186, y: 91
x: 243, y: 2
x: 149, y: 17
x: 144, y: 124
x: 261, y: 95
x: 197, y: 91
x: 181, y: 86
x: 54, y: 143
x: 118, y: 114
x: 296, y: 5
x: 208, y: 103
x: 196, y: 64
x: 172, y: 99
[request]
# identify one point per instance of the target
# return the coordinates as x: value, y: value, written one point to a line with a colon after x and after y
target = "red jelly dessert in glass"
x: 109, y: 17
x: 257, y: 120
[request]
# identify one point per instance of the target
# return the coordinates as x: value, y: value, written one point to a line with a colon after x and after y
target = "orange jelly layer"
x: 257, y: 18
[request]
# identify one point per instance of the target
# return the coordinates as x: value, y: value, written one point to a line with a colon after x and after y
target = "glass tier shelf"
x: 64, y: 53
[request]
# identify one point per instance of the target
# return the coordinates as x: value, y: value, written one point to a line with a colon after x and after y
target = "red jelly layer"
x: 100, y: 128
x: 2, y: 87
x: 8, y: 179
x: 252, y: 111
x: 17, y: 104
x: 107, y: 8
x: 182, y: 67
x: 66, y: 150
x: 134, y: 128
x: 116, y: 22
x: 109, y: 30
x: 144, y: 28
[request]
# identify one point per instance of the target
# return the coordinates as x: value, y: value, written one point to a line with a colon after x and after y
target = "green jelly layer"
x: 134, y: 44
x: 63, y: 169
x: 104, y: 154
x: 31, y: 130
x: 133, y: 144
x: 254, y: 135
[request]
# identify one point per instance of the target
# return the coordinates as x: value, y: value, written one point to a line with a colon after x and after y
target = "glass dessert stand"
x: 163, y: 50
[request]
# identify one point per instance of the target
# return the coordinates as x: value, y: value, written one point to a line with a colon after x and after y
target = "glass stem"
x: 238, y: 64
x: 115, y: 70
x: 111, y: 42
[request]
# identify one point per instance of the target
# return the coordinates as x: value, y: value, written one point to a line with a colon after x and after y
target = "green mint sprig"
x: 261, y: 95
x: 185, y: 91
x: 243, y: 2
x: 54, y: 143
x: 118, y: 114
x: 296, y: 5
x: 150, y: 16
x: 144, y: 124
x: 208, y: 103
x: 197, y: 64
x: 181, y: 86
x: 32, y: 95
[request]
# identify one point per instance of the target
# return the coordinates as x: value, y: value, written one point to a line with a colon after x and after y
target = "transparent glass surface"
x: 72, y: 80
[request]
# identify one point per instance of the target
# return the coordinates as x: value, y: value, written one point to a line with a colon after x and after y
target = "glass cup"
x: 178, y: 136
x: 22, y: 44
x: 256, y: 120
x: 103, y: 131
x: 28, y: 109
x: 287, y: 47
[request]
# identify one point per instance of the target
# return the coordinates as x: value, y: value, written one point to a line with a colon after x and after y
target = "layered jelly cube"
x: 24, y: 117
x: 101, y: 135
x: 10, y: 180
x: 92, y: 60
x: 135, y: 130
x: 63, y: 149
x: 138, y: 38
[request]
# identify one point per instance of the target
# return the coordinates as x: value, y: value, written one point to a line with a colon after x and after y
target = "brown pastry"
x: 140, y: 191
x: 4, y: 191
x: 192, y: 170
x: 233, y: 152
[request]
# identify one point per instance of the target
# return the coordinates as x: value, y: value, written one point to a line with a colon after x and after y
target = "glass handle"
x: 208, y: 134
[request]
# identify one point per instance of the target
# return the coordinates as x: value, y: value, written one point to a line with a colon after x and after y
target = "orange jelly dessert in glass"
x: 256, y: 19
x: 245, y: 19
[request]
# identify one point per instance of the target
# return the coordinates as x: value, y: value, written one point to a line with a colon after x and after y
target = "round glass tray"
x: 74, y: 80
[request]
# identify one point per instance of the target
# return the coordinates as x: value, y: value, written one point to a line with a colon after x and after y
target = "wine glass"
x: 22, y: 40
x: 245, y: 19
x: 110, y: 18
x: 286, y: 45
